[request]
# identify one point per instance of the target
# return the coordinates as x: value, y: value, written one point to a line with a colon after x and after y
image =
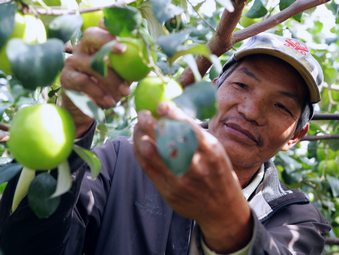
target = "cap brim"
x: 311, y: 84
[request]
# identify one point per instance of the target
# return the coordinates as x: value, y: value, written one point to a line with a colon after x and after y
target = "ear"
x: 215, y: 80
x: 296, y: 138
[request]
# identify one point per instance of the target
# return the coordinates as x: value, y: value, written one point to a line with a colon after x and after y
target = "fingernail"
x: 162, y: 108
x: 119, y: 48
x: 124, y: 89
x: 108, y: 100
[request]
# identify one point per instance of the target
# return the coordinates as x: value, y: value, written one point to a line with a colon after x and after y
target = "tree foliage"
x: 186, y: 34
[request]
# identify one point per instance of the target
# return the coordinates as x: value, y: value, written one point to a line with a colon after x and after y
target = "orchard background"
x: 312, y: 166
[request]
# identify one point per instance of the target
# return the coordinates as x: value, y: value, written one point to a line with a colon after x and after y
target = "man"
x: 231, y: 195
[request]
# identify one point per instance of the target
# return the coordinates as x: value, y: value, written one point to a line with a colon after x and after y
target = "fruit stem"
x: 25, y: 179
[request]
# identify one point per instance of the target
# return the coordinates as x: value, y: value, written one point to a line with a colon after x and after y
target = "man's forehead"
x: 295, y: 87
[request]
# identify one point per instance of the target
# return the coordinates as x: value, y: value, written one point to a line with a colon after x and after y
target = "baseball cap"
x: 291, y: 50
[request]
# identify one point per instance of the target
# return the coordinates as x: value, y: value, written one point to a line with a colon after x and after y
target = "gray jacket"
x: 121, y: 212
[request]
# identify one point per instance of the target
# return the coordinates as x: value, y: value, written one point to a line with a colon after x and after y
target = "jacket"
x: 121, y: 212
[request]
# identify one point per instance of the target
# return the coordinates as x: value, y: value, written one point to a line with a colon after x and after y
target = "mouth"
x: 243, y: 134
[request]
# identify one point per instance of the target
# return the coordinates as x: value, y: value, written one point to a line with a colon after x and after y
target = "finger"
x: 71, y: 79
x: 147, y: 155
x: 147, y: 124
x: 169, y: 109
x: 94, y: 38
x: 102, y: 24
x: 112, y: 84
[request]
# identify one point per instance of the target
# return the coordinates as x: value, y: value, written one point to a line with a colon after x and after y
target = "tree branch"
x: 332, y: 241
x: 58, y: 12
x: 295, y: 8
x: 223, y: 41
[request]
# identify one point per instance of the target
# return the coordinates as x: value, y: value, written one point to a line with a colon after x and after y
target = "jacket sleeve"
x: 296, y: 229
x: 66, y: 230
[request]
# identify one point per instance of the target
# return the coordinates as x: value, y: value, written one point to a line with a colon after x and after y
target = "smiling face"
x: 260, y: 103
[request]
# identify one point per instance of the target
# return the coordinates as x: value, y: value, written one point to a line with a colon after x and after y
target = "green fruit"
x: 151, y: 91
x: 133, y: 64
x: 246, y: 21
x: 41, y: 136
x: 330, y: 167
x: 322, y: 155
x: 92, y: 19
x: 176, y: 23
x: 29, y: 29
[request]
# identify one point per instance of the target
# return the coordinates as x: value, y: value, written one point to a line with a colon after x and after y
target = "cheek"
x: 282, y: 132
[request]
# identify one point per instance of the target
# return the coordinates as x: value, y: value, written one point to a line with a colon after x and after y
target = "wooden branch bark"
x: 332, y: 241
x: 220, y: 43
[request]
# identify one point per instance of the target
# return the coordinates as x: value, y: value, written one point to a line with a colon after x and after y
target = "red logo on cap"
x: 297, y: 45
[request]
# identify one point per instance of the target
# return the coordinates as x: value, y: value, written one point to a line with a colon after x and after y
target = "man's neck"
x: 246, y: 175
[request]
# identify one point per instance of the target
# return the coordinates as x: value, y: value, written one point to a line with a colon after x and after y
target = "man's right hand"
x: 79, y: 76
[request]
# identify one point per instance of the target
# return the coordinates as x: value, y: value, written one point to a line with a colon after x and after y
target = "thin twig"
x: 202, y: 17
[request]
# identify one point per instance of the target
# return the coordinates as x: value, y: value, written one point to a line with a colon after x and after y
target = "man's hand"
x: 209, y: 192
x: 79, y: 76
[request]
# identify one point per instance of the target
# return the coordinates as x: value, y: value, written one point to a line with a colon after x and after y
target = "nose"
x: 253, y: 109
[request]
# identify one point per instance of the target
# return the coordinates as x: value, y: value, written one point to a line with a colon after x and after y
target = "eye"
x: 241, y: 85
x: 284, y: 109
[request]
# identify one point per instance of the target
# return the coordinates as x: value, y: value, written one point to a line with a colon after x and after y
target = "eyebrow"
x: 249, y: 73
x: 292, y: 96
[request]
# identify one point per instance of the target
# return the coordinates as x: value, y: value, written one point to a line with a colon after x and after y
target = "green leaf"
x: 169, y: 43
x: 193, y: 66
x: 121, y: 21
x: 257, y: 10
x: 283, y: 4
x: 39, y: 193
x: 163, y: 10
x: 8, y: 171
x: 98, y: 63
x: 227, y: 4
x: 182, y: 50
x: 198, y: 100
x: 330, y: 75
x: 2, y: 189
x: 176, y: 143
x: 85, y: 104
x: 90, y: 158
x: 35, y: 65
x: 334, y: 184
x: 7, y: 20
x: 3, y: 107
x: 334, y: 144
x: 64, y: 27
x: 64, y: 179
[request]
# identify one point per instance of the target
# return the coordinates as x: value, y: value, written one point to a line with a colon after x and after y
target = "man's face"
x: 260, y: 103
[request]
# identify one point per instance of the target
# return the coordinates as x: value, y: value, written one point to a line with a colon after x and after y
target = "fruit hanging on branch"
x: 41, y: 136
x: 151, y: 91
x: 134, y: 63
x: 26, y: 27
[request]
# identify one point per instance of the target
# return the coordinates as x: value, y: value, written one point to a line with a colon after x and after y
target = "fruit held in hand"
x: 151, y: 91
x: 133, y: 64
x: 26, y: 27
x: 41, y: 136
